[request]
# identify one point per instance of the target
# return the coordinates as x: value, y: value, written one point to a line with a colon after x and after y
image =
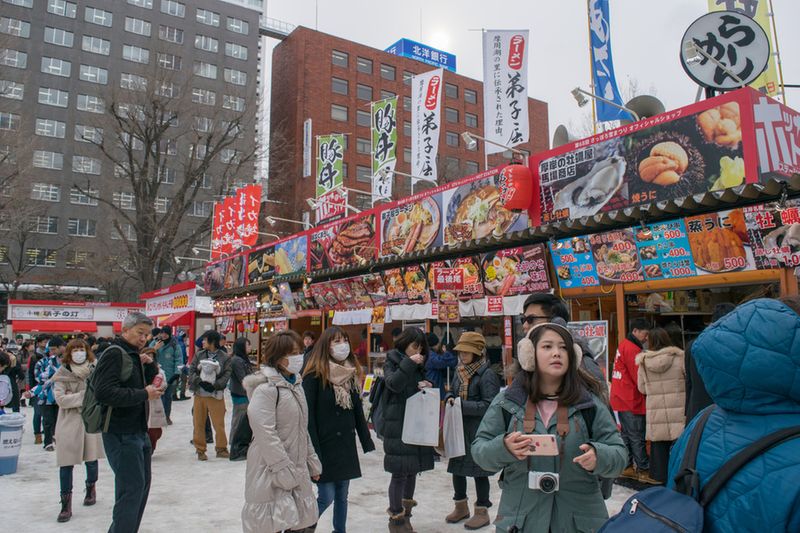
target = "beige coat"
x: 661, y: 378
x: 279, y: 494
x: 73, y: 444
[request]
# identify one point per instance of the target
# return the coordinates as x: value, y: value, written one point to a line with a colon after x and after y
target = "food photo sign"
x: 347, y: 242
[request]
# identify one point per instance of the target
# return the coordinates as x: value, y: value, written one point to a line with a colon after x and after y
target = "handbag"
x: 454, y: 445
x: 421, y: 420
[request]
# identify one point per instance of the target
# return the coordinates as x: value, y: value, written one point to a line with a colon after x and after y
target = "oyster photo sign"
x: 775, y: 234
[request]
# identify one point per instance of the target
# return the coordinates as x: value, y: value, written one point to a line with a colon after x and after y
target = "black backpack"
x: 96, y: 416
x: 663, y: 510
x: 376, y: 407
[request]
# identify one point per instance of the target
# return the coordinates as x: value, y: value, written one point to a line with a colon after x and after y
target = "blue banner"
x: 605, y: 83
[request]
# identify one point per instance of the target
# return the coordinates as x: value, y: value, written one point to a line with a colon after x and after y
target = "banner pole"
x: 777, y: 51
x: 591, y: 66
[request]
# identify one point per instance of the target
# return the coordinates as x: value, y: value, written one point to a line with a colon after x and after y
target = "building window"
x: 236, y: 77
x: 86, y: 165
x: 339, y: 86
x: 450, y: 114
x: 82, y: 227
x: 339, y: 58
x: 136, y: 54
x: 47, y: 159
x: 92, y: 104
x: 339, y: 112
x: 20, y: 3
x: 132, y: 82
x: 387, y: 94
x: 166, y: 175
x: 471, y: 167
x: 128, y: 141
x: 12, y: 90
x: 471, y: 96
x: 13, y: 58
x: 201, y: 209
x: 407, y: 128
x: 363, y: 174
x: 162, y: 204
x: 17, y: 28
x: 88, y: 134
x: 45, y: 192
x: 207, y: 17
x: 54, y: 97
x: 170, y: 34
x: 96, y: 45
x: 363, y: 118
x: 236, y: 51
x: 94, y: 74
x: 3, y: 255
x: 364, y: 92
x: 206, y: 182
x: 169, y: 61
x: 237, y: 25
x: 9, y: 121
x: 450, y: 90
x: 124, y: 200
x: 97, y: 16
x: 79, y: 258
x: 77, y: 197
x: 204, y: 42
x: 407, y: 77
x: 42, y: 257
x: 168, y: 147
x: 62, y: 8
x: 363, y: 146
x: 203, y: 124
x: 58, y: 37
x: 471, y: 120
x: 44, y: 224
x: 127, y: 232
x: 364, y: 65
x: 206, y: 70
x: 451, y: 138
x: 388, y: 72
x: 137, y: 26
x: 234, y: 103
x: 204, y: 96
x: 50, y: 128
x: 452, y: 163
x: 407, y: 155
x: 146, y: 4
x: 171, y: 7
x: 56, y: 67
x: 406, y: 103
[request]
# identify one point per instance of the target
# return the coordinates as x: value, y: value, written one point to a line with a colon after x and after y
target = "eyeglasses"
x: 530, y: 319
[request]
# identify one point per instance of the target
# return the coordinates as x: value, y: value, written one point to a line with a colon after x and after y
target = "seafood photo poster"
x: 664, y: 250
x: 720, y: 242
x: 774, y: 232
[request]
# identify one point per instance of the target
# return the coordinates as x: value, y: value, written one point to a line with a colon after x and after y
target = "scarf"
x: 81, y: 371
x: 344, y: 384
x: 465, y: 373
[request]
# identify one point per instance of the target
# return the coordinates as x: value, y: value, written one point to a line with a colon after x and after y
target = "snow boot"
x: 408, y: 505
x: 397, y: 523
x: 201, y: 456
x: 91, y: 495
x: 223, y: 454
x: 66, y: 507
x: 460, y: 512
x: 37, y: 438
x: 480, y: 519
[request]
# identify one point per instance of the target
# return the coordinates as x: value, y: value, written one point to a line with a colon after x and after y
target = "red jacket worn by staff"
x: 625, y: 395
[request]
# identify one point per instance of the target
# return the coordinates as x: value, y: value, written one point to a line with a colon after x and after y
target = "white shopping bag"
x: 421, y: 421
x: 453, y: 428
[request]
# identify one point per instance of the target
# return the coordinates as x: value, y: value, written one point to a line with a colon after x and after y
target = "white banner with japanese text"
x: 426, y: 91
x: 384, y: 146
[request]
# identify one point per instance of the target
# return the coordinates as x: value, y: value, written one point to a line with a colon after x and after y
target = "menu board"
x: 416, y: 282
x: 346, y: 300
x: 473, y: 286
x: 515, y: 271
x: 720, y: 242
x: 615, y: 256
x: 234, y: 272
x: 324, y: 295
x: 395, y: 286
x: 775, y: 234
x: 411, y: 226
x: 664, y: 250
x: 574, y: 263
x: 301, y: 302
x: 291, y: 255
x: 261, y: 264
x: 343, y: 243
x: 373, y: 283
x: 359, y: 293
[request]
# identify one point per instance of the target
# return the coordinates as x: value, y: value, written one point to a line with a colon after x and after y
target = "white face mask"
x: 78, y: 357
x: 340, y: 351
x: 295, y: 363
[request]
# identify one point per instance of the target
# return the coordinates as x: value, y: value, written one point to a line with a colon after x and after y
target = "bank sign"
x: 424, y: 53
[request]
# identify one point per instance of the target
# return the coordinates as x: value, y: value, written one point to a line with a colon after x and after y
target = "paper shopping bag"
x: 454, y: 445
x: 421, y: 421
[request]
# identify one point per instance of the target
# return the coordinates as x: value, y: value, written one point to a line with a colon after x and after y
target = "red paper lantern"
x: 240, y: 327
x: 516, y: 187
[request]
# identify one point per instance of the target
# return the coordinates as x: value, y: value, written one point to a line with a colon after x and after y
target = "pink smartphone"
x: 543, y: 445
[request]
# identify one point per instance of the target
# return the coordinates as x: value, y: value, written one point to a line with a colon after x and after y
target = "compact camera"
x: 547, y: 482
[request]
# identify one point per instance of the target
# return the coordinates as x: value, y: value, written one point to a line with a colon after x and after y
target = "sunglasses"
x: 529, y: 319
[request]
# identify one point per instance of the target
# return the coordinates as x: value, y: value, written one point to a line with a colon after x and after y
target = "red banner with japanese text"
x: 228, y: 219
x: 217, y: 231
x: 248, y: 204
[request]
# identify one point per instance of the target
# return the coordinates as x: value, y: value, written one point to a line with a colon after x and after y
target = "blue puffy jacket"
x: 750, y: 364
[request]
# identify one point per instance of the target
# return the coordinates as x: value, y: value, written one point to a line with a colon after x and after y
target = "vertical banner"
x: 228, y: 224
x: 426, y: 91
x: 307, y: 148
x: 505, y: 88
x: 330, y: 155
x: 248, y: 204
x: 758, y: 10
x: 605, y: 82
x: 217, y: 231
x: 384, y: 146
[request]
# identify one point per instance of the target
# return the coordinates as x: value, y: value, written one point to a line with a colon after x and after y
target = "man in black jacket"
x: 126, y: 442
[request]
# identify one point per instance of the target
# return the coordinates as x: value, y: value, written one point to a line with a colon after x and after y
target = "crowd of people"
x: 299, y: 418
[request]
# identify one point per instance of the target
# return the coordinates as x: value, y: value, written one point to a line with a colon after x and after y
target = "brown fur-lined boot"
x: 461, y: 512
x: 479, y: 520
x: 397, y: 523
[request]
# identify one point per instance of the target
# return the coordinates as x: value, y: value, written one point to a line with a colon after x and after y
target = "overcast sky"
x: 646, y: 36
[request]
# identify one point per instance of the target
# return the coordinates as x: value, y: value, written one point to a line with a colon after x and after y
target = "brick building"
x: 332, y: 81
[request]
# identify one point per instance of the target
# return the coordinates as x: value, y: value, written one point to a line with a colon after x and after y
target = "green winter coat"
x: 578, y: 505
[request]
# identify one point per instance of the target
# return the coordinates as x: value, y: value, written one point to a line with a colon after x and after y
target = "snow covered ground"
x: 190, y: 496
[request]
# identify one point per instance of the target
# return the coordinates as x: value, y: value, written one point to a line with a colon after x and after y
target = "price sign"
x: 494, y: 305
x: 664, y: 250
x: 575, y: 266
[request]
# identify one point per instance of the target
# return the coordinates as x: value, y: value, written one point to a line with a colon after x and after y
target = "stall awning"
x: 53, y: 326
x: 177, y: 319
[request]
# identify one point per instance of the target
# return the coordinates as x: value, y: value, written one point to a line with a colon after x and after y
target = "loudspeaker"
x: 645, y: 106
x: 561, y: 137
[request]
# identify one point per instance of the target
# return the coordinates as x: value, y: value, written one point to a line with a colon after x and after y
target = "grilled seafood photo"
x: 587, y: 195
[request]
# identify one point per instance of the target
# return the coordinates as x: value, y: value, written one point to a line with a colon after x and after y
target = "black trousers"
x: 400, y: 488
x: 129, y: 456
x: 49, y: 419
x: 481, y: 487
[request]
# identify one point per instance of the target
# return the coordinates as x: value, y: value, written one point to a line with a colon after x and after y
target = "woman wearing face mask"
x: 404, y: 376
x: 332, y: 383
x: 281, y: 462
x: 75, y: 446
x: 477, y: 385
x: 550, y: 395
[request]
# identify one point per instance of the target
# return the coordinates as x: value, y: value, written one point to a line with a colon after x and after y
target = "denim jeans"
x: 37, y: 417
x: 65, y: 474
x: 129, y: 457
x: 166, y: 399
x: 633, y: 434
x: 334, y: 492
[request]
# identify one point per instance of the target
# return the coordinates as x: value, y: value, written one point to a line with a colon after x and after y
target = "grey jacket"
x: 224, y: 360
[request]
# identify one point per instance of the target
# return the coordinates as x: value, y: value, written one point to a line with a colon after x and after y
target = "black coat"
x: 401, y: 377
x: 483, y: 387
x: 333, y: 431
x: 697, y: 397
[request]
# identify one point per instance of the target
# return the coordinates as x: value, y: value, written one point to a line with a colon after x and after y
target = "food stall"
x: 660, y: 218
x: 102, y: 319
x: 180, y: 307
